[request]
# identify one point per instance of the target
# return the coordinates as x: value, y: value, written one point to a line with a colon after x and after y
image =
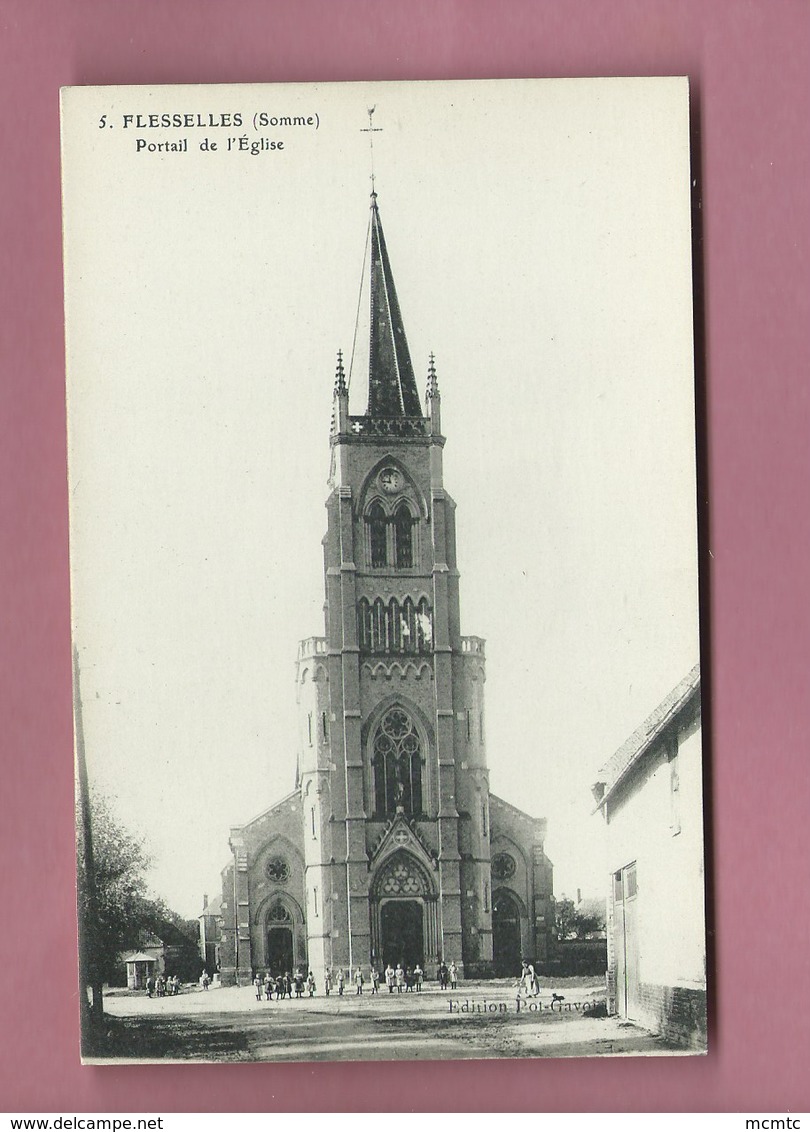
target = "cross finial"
x: 371, y: 129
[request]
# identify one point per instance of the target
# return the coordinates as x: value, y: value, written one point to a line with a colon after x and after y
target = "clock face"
x: 390, y: 480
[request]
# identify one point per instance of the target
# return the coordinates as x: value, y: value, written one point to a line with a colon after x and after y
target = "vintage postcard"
x: 384, y: 570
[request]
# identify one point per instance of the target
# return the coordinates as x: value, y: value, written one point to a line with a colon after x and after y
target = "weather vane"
x: 371, y: 129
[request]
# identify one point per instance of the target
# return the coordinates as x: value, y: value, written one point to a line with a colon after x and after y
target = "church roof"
x: 392, y: 388
x: 644, y: 737
x: 520, y: 814
x: 285, y: 801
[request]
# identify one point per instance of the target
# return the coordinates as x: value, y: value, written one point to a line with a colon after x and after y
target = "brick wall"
x: 677, y: 1013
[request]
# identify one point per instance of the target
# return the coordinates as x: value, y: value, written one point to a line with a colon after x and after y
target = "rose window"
x: 503, y: 866
x: 278, y: 870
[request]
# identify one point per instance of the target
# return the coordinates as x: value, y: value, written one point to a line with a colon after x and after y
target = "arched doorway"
x: 506, y: 955
x: 404, y: 920
x: 402, y: 933
x: 280, y: 947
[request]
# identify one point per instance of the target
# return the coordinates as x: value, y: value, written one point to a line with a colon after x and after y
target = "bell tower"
x: 394, y: 781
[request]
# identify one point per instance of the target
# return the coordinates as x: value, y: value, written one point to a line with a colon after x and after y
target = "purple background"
x: 749, y: 63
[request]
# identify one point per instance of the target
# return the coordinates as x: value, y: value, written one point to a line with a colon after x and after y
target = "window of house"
x: 312, y: 818
x: 630, y: 882
x: 325, y: 727
x: 309, y: 728
x: 618, y: 894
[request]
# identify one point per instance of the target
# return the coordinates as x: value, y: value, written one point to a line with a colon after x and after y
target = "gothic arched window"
x: 378, y: 537
x: 397, y: 761
x: 403, y: 536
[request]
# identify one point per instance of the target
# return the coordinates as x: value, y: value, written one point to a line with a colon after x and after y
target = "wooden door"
x: 625, y: 933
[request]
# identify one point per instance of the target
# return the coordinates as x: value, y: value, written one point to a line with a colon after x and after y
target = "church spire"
x: 392, y: 388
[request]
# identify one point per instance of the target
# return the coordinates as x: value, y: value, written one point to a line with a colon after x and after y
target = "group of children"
x: 282, y: 986
x: 162, y: 985
x: 399, y: 978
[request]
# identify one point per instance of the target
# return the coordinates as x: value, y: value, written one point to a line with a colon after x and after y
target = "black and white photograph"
x: 384, y: 571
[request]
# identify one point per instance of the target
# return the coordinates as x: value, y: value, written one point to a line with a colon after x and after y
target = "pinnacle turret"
x: 433, y: 400
x: 432, y: 382
x: 340, y: 398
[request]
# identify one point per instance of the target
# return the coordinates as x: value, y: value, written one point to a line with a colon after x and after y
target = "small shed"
x: 139, y: 967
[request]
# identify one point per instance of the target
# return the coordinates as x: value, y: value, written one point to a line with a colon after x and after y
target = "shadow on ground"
x: 202, y: 1038
x: 316, y: 1035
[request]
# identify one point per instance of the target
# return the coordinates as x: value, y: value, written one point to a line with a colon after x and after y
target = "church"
x: 390, y: 848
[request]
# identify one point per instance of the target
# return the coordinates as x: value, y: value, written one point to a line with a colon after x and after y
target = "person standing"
x: 311, y: 984
x: 327, y: 981
x: 205, y: 980
x: 160, y: 986
x: 288, y: 984
x: 418, y: 975
x: 534, y: 986
x: 257, y: 983
x: 280, y: 988
x: 150, y: 986
x: 375, y: 980
x: 400, y: 974
x: 358, y: 980
x: 340, y: 982
x: 443, y: 975
x: 268, y: 986
x: 453, y: 972
x: 389, y: 978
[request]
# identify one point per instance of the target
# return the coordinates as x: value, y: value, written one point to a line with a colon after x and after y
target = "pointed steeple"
x: 392, y: 388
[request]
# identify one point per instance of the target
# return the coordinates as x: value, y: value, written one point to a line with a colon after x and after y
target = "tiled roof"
x: 620, y: 763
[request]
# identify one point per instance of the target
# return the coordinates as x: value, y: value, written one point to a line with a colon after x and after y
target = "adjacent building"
x: 650, y: 794
x: 391, y: 847
x: 210, y: 921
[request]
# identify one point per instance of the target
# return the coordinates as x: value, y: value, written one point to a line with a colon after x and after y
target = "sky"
x: 539, y: 235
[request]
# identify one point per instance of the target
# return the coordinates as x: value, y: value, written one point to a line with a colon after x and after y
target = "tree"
x: 589, y: 918
x: 564, y: 918
x: 113, y: 902
x: 577, y: 922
